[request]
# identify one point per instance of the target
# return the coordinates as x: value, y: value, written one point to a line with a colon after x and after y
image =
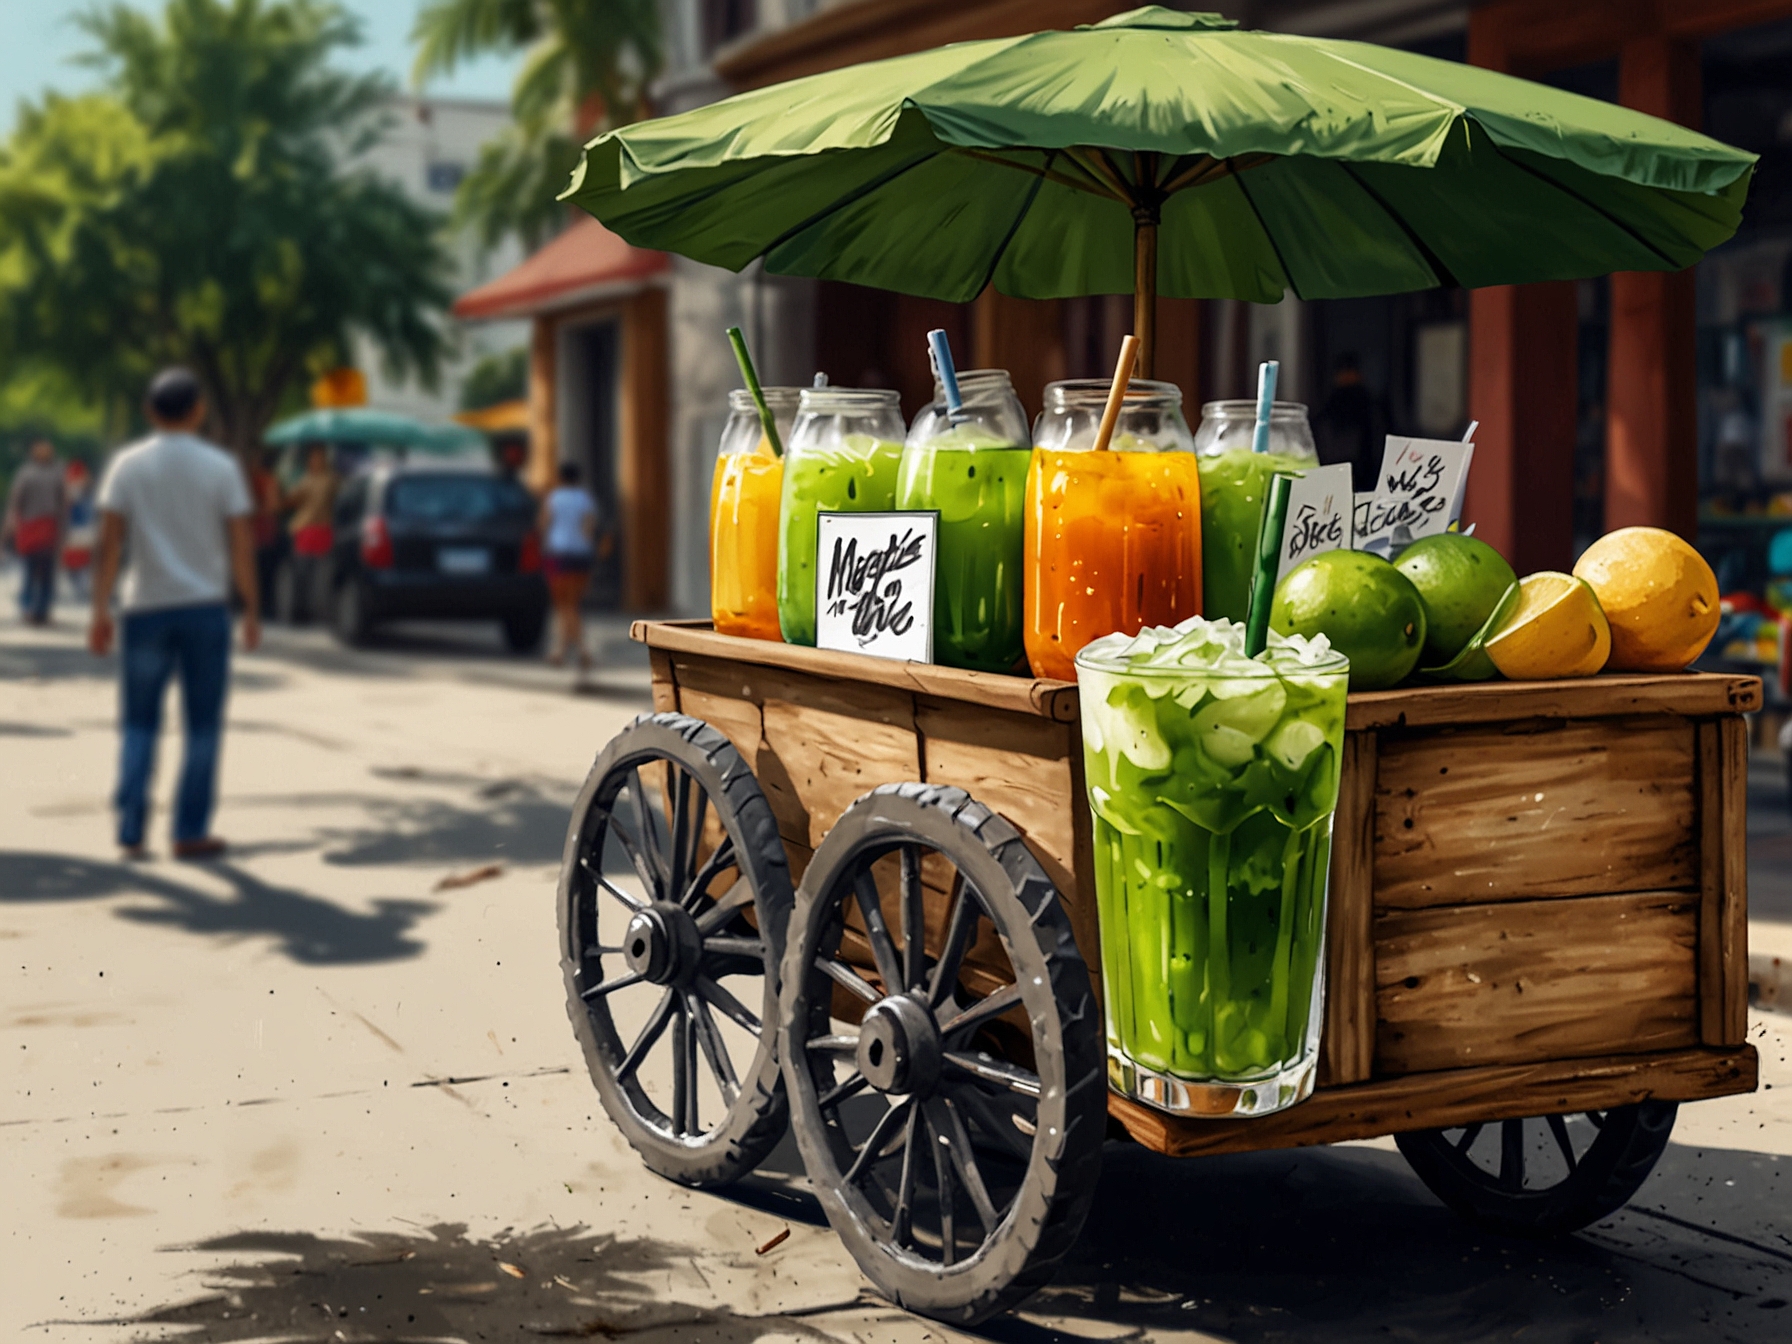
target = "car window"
x: 457, y: 499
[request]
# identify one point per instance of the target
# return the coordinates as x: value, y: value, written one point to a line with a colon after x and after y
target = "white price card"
x: 874, y: 583
x: 1319, y: 516
x: 1418, y: 494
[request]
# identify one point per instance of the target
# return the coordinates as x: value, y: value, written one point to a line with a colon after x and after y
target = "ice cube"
x: 1126, y: 722
x: 1249, y: 706
x: 1293, y: 742
x: 1222, y: 742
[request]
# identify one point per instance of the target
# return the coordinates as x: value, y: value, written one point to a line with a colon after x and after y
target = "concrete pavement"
x: 304, y: 1094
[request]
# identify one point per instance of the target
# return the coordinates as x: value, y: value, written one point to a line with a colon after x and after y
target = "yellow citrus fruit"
x: 1659, y: 595
x: 1556, y: 630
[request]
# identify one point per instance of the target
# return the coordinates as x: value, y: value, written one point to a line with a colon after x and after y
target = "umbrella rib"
x: 1063, y: 180
x: 1020, y: 216
x: 877, y: 184
x: 1445, y: 276
x: 1597, y: 209
x: 1263, y: 224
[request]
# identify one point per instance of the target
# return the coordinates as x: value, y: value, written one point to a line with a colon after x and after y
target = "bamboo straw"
x: 1269, y: 557
x: 1110, y: 415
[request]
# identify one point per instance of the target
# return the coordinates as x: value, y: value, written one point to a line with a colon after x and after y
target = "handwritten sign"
x: 1418, y: 494
x: 874, y: 583
x: 1319, y: 516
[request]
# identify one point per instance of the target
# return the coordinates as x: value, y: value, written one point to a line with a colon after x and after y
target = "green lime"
x: 1461, y: 580
x: 1368, y: 610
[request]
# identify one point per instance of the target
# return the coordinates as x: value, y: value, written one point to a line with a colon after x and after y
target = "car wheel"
x: 522, y: 633
x: 350, y: 619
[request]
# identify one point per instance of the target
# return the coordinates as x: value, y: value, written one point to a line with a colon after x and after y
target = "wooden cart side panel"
x: 1347, y: 1042
x: 1545, y: 808
x: 1680, y: 694
x: 1517, y: 982
x: 665, y: 684
x: 1080, y: 902
x: 1446, y: 1100
x: 1723, y: 880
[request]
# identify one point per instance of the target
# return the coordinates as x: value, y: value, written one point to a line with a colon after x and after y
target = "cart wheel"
x: 673, y: 856
x: 1545, y: 1176
x: 956, y: 1179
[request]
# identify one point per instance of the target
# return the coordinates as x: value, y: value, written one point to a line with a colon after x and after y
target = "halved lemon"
x: 1558, y: 629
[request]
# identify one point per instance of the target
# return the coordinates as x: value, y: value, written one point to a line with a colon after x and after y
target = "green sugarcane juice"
x: 1212, y: 778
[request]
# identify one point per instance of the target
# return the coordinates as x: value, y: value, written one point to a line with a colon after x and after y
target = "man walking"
x: 34, y: 525
x: 183, y: 506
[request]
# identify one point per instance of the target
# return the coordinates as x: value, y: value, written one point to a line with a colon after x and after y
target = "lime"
x: 1461, y: 580
x: 1368, y: 610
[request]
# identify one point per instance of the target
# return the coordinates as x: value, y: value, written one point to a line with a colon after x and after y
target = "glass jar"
x: 1234, y: 488
x: 842, y: 457
x: 972, y: 469
x: 1113, y: 539
x: 745, y: 495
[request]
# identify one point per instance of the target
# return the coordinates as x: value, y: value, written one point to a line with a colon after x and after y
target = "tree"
x: 203, y: 211
x: 587, y: 70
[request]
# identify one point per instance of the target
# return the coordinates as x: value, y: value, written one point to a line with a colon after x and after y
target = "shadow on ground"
x: 304, y: 927
x: 570, y: 1284
x: 520, y: 821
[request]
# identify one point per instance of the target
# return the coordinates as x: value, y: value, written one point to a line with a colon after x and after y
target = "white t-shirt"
x: 568, y: 508
x: 175, y: 493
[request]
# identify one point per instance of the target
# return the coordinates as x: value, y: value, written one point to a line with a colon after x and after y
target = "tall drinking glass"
x: 745, y: 494
x: 1234, y: 488
x: 842, y: 457
x: 972, y: 468
x: 1113, y: 539
x: 1213, y: 778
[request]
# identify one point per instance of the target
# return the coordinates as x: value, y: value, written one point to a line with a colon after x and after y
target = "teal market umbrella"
x: 358, y: 424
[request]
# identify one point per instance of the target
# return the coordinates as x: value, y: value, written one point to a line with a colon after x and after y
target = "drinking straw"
x: 941, y: 349
x: 1266, y: 400
x: 1269, y: 556
x: 821, y: 380
x: 741, y: 357
x: 1469, y: 433
x: 1110, y: 414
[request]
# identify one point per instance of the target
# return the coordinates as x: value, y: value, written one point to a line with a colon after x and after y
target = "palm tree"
x: 588, y: 66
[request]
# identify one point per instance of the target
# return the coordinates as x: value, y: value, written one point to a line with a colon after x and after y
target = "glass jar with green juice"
x: 1234, y: 488
x: 971, y: 467
x: 842, y: 457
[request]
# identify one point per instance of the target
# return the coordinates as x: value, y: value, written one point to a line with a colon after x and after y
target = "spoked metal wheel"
x: 942, y: 1052
x: 1544, y: 1176
x: 674, y: 896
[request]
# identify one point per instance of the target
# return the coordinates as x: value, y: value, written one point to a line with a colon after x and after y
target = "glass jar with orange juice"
x: 1113, y: 538
x: 744, y: 498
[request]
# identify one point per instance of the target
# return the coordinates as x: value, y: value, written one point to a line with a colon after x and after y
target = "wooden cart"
x: 1537, y: 911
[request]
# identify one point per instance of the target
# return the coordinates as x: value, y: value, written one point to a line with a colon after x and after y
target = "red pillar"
x: 1651, y: 437
x: 1522, y: 384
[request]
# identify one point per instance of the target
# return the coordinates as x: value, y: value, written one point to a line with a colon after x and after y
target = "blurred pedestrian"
x: 183, y: 508
x: 82, y: 530
x: 1350, y: 426
x: 33, y: 525
x: 270, y: 537
x: 569, y: 530
x: 313, y: 502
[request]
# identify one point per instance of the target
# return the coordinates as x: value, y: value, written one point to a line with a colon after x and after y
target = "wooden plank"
x: 1735, y: 908
x: 665, y: 685
x: 1347, y: 1042
x: 1516, y: 982
x: 1682, y: 693
x: 994, y: 690
x: 824, y: 744
x: 1080, y: 905
x: 1510, y: 813
x: 1446, y: 1100
x: 1723, y: 881
x: 737, y: 719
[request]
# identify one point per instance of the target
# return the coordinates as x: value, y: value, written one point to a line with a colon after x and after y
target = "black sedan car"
x: 436, y: 541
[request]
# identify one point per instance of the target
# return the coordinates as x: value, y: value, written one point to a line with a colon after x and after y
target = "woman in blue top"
x: 569, y: 528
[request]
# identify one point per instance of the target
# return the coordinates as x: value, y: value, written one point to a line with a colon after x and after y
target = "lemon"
x: 1556, y: 630
x: 1659, y: 595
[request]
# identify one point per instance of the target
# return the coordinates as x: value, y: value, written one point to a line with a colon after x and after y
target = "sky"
x: 40, y: 37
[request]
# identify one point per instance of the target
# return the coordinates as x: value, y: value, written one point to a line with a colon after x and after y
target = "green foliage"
x: 200, y: 212
x: 495, y: 379
x: 587, y: 69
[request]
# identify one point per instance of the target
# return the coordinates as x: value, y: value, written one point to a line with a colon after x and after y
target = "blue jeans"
x: 40, y: 585
x: 197, y: 640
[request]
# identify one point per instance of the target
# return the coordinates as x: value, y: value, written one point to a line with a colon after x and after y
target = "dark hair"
x: 173, y: 393
x: 569, y: 473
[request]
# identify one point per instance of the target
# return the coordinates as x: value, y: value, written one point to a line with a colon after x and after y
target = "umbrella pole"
x: 1144, y: 289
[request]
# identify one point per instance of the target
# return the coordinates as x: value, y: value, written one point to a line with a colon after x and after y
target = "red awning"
x: 587, y: 261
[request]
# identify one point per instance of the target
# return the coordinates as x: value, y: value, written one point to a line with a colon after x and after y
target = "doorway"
x: 590, y: 364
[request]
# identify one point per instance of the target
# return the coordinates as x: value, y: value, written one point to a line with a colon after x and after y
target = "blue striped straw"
x: 947, y: 370
x: 1266, y: 398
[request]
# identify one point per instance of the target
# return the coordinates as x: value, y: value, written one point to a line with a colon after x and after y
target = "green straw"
x: 1269, y: 556
x: 770, y: 426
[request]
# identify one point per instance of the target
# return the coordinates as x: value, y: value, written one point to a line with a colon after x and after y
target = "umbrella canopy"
x: 1165, y: 152
x: 360, y: 425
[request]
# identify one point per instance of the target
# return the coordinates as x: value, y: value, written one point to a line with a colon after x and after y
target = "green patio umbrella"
x: 359, y: 424
x: 1160, y: 152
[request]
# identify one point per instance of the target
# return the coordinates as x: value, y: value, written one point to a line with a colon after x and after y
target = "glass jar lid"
x: 776, y: 398
x: 849, y: 400
x: 1077, y: 393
